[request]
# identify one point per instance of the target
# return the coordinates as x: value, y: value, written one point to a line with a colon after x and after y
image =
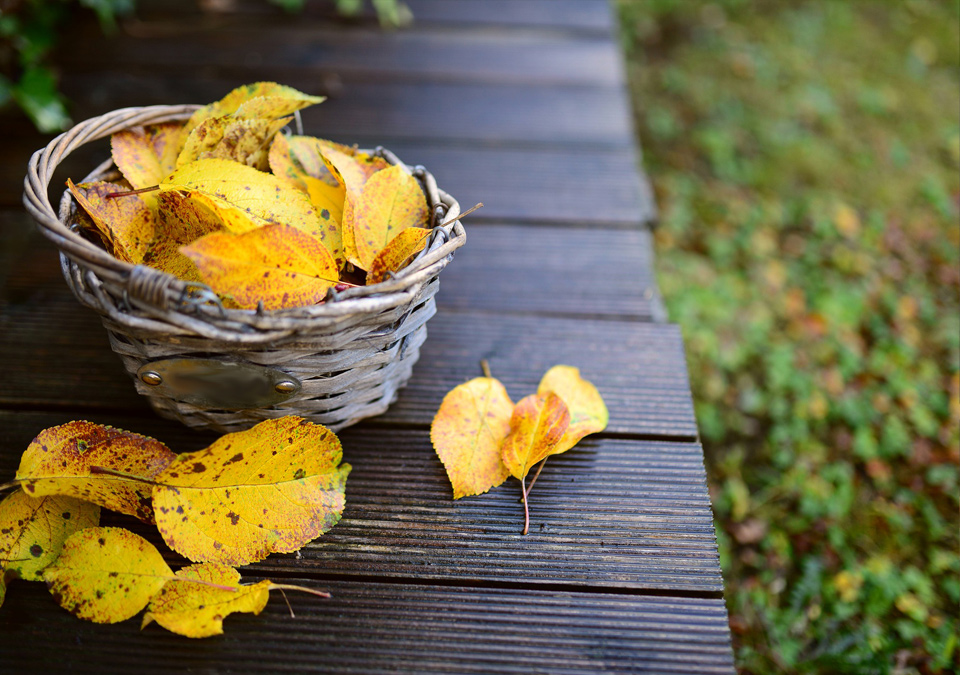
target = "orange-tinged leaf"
x: 69, y: 460
x: 197, y: 610
x: 269, y: 489
x: 32, y: 530
x: 147, y: 155
x: 278, y: 265
x: 536, y: 427
x: 127, y: 223
x: 397, y: 253
x: 106, y: 574
x: 246, y: 141
x: 391, y: 201
x: 467, y: 432
x: 165, y: 256
x: 236, y: 98
x: 588, y: 412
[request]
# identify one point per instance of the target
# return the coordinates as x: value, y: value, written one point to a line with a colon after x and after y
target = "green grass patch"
x: 805, y: 158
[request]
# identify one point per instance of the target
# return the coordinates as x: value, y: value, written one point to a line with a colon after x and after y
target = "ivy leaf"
x: 537, y: 425
x: 235, y: 99
x: 391, y: 201
x: 126, y: 224
x: 467, y: 432
x: 95, y: 463
x: 397, y: 254
x: 197, y: 610
x: 106, y: 574
x: 147, y: 155
x: 278, y: 265
x: 246, y: 141
x: 269, y: 489
x: 32, y: 530
x: 588, y: 412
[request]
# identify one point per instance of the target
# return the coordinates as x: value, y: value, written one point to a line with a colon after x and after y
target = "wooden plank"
x: 377, y: 628
x: 611, y: 514
x: 592, y: 16
x: 316, y: 50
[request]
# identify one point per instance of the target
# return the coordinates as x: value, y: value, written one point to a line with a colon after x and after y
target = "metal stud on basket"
x: 227, y: 369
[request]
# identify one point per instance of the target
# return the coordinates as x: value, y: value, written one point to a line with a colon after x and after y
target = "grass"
x: 805, y: 158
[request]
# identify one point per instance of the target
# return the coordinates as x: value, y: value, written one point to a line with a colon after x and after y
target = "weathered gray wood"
x: 376, y: 628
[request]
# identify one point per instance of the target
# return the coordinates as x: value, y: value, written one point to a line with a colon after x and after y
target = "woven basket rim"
x: 150, y: 296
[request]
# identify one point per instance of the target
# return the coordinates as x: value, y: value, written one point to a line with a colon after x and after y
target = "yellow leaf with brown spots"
x: 278, y: 265
x: 467, y: 431
x: 537, y: 425
x: 95, y: 463
x: 197, y: 610
x: 235, y: 99
x: 397, y: 253
x: 588, y: 412
x: 246, y: 141
x: 33, y: 529
x: 352, y: 169
x: 147, y: 155
x: 127, y: 223
x: 165, y: 256
x: 390, y: 202
x: 272, y: 488
x: 106, y: 574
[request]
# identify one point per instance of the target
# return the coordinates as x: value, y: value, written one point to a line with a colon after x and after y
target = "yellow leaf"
x: 352, y: 169
x: 106, y: 574
x: 467, y: 432
x: 246, y: 141
x: 197, y: 610
x: 397, y: 254
x: 232, y: 101
x: 269, y: 489
x: 127, y: 223
x: 88, y: 461
x: 165, y: 256
x: 537, y: 425
x: 391, y: 201
x: 260, y: 195
x: 32, y: 530
x: 147, y: 155
x: 274, y: 107
x: 277, y: 264
x: 588, y: 413
x: 189, y: 214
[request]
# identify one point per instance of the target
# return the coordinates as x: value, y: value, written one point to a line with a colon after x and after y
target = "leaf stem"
x: 462, y: 215
x: 11, y: 484
x: 485, y: 367
x: 526, y: 507
x: 114, y: 195
x: 537, y: 474
x: 291, y: 587
x: 121, y: 474
x: 289, y: 606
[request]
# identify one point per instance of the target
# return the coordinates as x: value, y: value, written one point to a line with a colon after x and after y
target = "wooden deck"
x: 520, y: 104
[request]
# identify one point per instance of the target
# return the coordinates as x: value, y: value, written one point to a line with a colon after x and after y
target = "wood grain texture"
x: 610, y: 514
x: 377, y: 628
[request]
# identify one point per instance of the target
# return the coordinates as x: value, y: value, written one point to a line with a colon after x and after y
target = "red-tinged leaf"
x: 127, y: 223
x: 397, y: 253
x: 277, y: 264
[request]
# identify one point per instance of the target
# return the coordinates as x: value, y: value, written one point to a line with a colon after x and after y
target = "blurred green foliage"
x: 28, y: 37
x: 805, y: 157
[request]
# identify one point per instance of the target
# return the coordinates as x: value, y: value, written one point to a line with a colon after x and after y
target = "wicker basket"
x: 227, y: 369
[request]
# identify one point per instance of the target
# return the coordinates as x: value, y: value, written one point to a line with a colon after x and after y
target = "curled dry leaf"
x: 106, y: 574
x: 277, y: 265
x: 147, y: 155
x: 397, y: 254
x: 241, y: 95
x: 588, y: 412
x: 197, y: 610
x: 269, y: 489
x: 70, y: 459
x: 467, y: 432
x: 537, y: 425
x: 390, y: 202
x: 127, y: 225
x: 32, y: 530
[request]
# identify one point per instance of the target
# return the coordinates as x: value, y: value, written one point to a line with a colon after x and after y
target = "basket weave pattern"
x: 350, y: 354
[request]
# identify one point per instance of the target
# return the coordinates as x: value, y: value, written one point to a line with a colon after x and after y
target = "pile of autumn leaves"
x: 272, y: 488
x: 262, y: 218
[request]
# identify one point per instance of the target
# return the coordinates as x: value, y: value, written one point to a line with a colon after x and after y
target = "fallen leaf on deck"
x: 537, y: 425
x: 106, y: 574
x: 588, y: 412
x: 67, y: 460
x: 127, y: 223
x: 271, y: 488
x: 397, y: 254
